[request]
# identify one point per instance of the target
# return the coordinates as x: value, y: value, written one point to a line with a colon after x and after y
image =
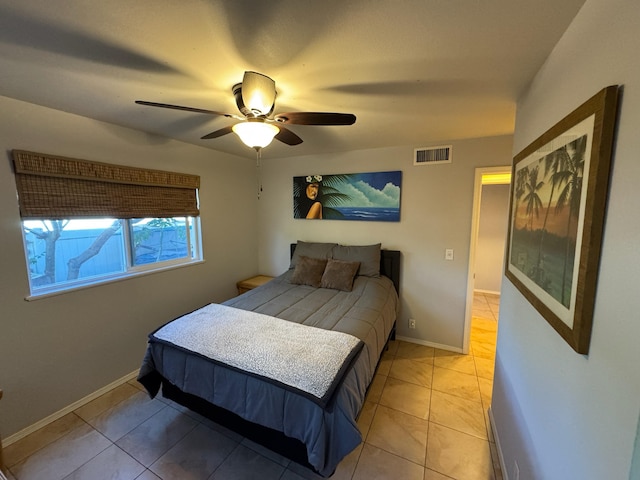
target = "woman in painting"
x: 308, y: 204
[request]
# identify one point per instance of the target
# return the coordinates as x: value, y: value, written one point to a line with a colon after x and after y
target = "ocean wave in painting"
x: 370, y: 213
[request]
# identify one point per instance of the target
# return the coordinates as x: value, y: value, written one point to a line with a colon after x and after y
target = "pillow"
x: 367, y: 255
x: 308, y: 271
x: 311, y: 250
x: 339, y: 275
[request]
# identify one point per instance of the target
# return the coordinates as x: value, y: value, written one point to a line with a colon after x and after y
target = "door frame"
x: 475, y: 226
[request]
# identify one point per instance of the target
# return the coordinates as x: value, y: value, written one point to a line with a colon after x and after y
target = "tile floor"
x: 425, y: 418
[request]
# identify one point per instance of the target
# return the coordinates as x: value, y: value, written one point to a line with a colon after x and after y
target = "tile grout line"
x: 52, y: 441
x: 429, y: 421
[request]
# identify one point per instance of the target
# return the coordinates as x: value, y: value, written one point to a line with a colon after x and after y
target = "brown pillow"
x: 308, y: 271
x: 339, y: 275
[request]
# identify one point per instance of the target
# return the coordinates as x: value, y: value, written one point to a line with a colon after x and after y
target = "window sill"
x: 130, y: 275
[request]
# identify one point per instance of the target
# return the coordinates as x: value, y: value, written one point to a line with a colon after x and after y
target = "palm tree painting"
x: 557, y: 212
x: 371, y: 196
x: 547, y: 195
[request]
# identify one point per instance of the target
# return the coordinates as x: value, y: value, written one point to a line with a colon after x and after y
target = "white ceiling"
x: 414, y: 72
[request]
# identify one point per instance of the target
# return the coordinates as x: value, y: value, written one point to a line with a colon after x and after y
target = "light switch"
x: 448, y: 254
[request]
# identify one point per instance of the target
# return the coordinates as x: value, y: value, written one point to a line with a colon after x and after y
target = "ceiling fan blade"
x: 218, y: 133
x: 258, y: 93
x: 316, y: 118
x: 287, y: 136
x: 185, y: 109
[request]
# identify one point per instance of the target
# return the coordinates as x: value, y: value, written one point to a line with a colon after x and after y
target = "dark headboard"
x: 389, y: 264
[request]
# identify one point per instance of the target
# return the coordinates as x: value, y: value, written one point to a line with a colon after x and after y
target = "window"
x: 160, y: 239
x: 86, y: 222
x: 66, y: 254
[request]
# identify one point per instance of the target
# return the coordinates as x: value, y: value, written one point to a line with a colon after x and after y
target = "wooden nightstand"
x: 251, y: 283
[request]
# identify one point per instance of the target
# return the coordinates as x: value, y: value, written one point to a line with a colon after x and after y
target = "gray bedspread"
x: 329, y: 433
x: 307, y: 359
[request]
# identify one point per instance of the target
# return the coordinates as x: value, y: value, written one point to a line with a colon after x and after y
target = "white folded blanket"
x: 306, y: 358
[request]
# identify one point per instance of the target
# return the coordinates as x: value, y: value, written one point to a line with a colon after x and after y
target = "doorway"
x: 488, y: 237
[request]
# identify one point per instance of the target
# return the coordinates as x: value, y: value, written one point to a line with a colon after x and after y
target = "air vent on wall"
x: 432, y: 155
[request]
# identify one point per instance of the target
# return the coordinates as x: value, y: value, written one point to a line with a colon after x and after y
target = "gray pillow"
x: 339, y: 275
x: 367, y: 255
x: 311, y: 250
x: 308, y: 271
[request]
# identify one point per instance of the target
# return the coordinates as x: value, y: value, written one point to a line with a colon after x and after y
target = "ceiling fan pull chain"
x: 259, y: 170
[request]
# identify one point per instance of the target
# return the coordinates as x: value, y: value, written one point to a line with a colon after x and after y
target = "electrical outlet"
x: 412, y: 323
x: 448, y: 254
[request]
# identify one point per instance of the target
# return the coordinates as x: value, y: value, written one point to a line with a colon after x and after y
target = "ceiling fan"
x: 255, y: 98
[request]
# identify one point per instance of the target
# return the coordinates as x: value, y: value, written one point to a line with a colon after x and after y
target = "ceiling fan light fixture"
x: 256, y: 134
x: 258, y: 93
x: 258, y: 104
x: 255, y: 98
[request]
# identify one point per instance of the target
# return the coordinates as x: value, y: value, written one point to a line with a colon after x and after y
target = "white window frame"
x: 195, y: 256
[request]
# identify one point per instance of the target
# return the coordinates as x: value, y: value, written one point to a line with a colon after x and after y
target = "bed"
x: 336, y: 302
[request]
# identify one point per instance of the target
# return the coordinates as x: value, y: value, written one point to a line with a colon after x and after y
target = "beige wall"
x: 561, y: 415
x: 436, y: 208
x: 57, y: 350
x: 492, y: 236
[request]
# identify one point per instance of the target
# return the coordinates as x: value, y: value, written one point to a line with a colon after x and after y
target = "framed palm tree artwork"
x: 557, y: 210
x: 371, y: 196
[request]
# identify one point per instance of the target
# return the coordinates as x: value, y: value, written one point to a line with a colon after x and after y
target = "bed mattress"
x: 328, y: 431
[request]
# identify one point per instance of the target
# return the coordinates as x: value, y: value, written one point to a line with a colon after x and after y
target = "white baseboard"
x: 429, y: 344
x: 505, y: 475
x: 68, y: 409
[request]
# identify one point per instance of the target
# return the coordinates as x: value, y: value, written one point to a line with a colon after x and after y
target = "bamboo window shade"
x: 51, y: 187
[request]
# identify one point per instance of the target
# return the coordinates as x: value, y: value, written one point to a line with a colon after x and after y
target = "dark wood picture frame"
x: 556, y: 215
